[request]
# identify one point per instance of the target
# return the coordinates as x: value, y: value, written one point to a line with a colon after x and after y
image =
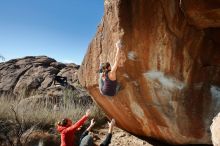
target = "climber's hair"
x: 103, y: 67
x: 63, y: 122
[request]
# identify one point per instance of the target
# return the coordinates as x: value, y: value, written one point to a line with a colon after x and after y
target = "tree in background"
x: 2, y: 57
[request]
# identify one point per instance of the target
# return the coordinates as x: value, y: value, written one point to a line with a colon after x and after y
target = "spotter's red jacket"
x: 67, y: 133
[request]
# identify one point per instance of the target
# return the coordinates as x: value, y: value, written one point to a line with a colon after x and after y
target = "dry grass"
x: 20, y: 118
x: 30, y: 111
x: 22, y: 115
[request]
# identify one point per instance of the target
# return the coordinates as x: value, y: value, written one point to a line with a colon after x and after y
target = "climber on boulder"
x: 107, y: 80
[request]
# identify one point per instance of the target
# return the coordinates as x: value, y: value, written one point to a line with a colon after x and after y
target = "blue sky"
x: 61, y: 29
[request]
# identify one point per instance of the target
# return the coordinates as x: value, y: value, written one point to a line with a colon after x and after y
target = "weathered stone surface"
x: 202, y: 13
x: 171, y: 76
x: 32, y: 77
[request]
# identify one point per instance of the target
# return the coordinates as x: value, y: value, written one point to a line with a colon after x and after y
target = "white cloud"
x: 67, y: 61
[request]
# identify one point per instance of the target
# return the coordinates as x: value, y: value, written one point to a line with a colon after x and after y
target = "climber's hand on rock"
x: 118, y: 44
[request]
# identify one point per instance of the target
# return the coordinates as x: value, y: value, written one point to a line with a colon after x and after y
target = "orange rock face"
x: 171, y: 76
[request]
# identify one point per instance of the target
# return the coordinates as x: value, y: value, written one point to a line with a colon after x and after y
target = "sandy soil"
x: 119, y: 138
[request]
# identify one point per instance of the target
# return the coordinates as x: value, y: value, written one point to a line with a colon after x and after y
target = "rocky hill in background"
x: 33, y: 77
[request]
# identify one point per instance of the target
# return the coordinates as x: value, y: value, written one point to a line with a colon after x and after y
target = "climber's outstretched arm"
x: 116, y: 61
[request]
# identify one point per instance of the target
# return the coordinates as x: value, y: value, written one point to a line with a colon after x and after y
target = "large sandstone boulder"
x: 171, y: 76
x: 32, y: 77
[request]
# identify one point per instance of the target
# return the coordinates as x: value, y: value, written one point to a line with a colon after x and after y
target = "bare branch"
x: 29, y: 132
x: 17, y: 119
x: 19, y: 130
x: 2, y: 57
x: 8, y: 139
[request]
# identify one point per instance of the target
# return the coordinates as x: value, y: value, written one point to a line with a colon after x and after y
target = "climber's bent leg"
x: 101, y: 83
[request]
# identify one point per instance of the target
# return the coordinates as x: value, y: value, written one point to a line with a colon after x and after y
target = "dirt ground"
x: 123, y: 138
x: 119, y: 138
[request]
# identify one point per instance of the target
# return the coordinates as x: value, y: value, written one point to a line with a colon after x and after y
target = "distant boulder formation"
x: 32, y: 77
x: 171, y: 76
